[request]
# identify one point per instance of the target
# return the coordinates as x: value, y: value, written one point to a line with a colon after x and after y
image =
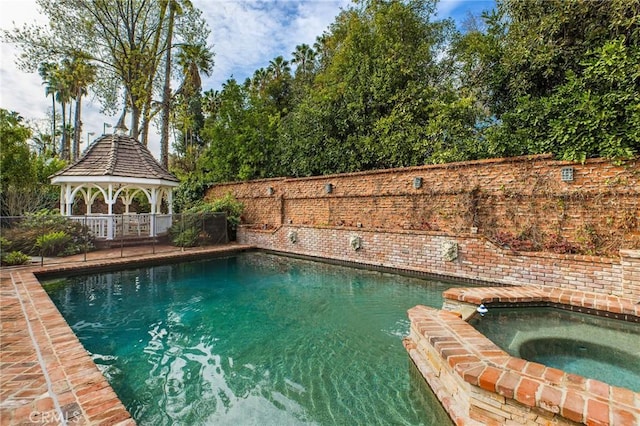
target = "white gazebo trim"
x: 117, y: 167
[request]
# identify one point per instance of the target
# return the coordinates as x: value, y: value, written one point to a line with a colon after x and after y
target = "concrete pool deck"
x: 46, y: 375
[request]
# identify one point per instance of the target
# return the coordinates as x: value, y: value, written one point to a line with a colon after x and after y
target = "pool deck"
x: 46, y: 375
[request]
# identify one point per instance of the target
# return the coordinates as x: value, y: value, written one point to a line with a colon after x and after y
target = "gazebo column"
x: 62, y: 203
x: 170, y: 201
x: 111, y: 229
x: 88, y: 200
x: 127, y: 200
x: 152, y: 219
x: 68, y: 200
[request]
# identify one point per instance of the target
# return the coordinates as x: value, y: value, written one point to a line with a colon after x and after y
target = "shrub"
x: 5, y: 245
x: 30, y: 234
x: 558, y: 244
x: 53, y: 243
x: 198, y: 225
x: 520, y: 242
x: 188, y: 237
x: 231, y: 207
x: 15, y: 258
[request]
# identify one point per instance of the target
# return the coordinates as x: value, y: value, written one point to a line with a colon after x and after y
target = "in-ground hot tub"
x: 595, y: 347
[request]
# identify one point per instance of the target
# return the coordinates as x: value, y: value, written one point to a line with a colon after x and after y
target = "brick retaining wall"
x: 476, y: 259
x: 472, y: 207
x: 596, y: 212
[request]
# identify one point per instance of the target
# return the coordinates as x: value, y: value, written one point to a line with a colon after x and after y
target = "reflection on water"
x: 600, y: 348
x: 254, y: 339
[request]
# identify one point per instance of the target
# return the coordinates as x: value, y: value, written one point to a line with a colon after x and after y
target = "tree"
x: 383, y: 95
x: 544, y: 69
x: 278, y: 66
x: 304, y: 57
x: 124, y: 39
x: 174, y: 7
x: 64, y: 93
x: 81, y: 75
x: 241, y: 136
x: 188, y: 113
x: 47, y: 71
x: 23, y: 175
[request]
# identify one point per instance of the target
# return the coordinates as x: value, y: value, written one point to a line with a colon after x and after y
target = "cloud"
x: 246, y: 35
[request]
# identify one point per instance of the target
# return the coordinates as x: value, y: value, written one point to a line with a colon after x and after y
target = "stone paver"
x: 46, y: 376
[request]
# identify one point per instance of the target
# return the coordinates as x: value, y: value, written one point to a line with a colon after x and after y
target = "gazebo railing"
x: 98, y: 225
x: 162, y: 223
x: 126, y: 225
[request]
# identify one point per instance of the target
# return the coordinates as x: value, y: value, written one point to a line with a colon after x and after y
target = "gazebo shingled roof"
x: 118, y: 167
x: 117, y: 155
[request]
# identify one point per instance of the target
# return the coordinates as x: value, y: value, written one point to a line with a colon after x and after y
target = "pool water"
x: 595, y: 347
x: 255, y: 339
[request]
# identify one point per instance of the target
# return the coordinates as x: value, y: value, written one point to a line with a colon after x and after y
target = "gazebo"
x: 114, y: 168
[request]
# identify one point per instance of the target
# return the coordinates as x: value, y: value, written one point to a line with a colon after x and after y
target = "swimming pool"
x: 254, y: 339
x: 595, y: 347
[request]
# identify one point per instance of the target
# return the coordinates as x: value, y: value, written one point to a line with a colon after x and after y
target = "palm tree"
x: 211, y: 102
x: 47, y: 71
x: 260, y: 79
x: 82, y: 74
x: 303, y: 56
x: 62, y: 78
x: 193, y: 60
x: 278, y: 66
x: 43, y: 143
x: 321, y: 47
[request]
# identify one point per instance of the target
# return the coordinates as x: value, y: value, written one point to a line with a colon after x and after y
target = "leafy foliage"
x: 387, y: 85
x: 126, y: 42
x: 24, y: 174
x: 375, y: 92
x: 198, y: 225
x: 190, y: 192
x: 53, y: 243
x: 559, y: 77
x: 48, y: 233
x: 15, y: 258
x: 231, y: 207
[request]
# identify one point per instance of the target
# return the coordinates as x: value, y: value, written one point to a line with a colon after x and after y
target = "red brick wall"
x: 405, y: 227
x: 597, y: 213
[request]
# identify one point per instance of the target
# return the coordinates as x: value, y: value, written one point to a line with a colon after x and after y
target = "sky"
x: 245, y: 35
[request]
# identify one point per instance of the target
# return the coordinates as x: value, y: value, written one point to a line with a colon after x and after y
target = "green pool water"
x: 255, y: 339
x: 595, y: 347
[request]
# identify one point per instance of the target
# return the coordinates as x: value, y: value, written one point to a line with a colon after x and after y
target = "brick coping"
x: 481, y: 363
x: 575, y: 300
x: 46, y: 375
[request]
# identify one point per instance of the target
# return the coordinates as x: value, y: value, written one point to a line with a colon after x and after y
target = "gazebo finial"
x: 121, y: 128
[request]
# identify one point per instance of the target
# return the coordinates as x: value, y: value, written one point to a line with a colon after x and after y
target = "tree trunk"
x: 77, y: 134
x: 63, y: 141
x: 135, y: 122
x: 166, y: 96
x: 53, y: 134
